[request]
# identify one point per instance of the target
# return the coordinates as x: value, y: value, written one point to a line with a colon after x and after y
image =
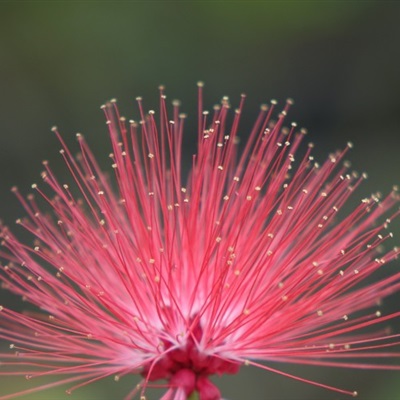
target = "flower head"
x: 248, y: 261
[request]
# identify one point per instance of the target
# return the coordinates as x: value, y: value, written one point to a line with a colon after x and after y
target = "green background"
x: 339, y: 60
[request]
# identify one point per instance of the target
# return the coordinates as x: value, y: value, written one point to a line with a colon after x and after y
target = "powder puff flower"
x: 249, y: 260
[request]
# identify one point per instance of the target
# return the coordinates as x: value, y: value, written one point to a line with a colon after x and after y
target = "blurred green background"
x: 339, y: 60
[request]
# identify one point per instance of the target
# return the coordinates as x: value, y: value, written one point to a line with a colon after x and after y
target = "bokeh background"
x: 339, y: 60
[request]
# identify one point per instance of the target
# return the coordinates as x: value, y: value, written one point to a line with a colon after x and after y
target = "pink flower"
x: 250, y: 260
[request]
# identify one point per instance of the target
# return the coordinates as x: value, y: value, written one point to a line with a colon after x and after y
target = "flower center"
x: 189, y: 369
